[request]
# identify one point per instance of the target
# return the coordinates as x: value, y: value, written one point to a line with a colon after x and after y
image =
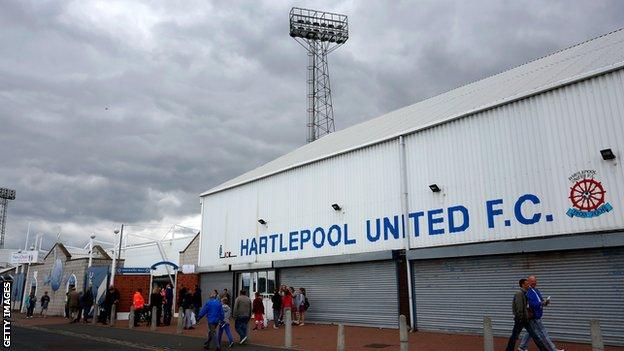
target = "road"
x: 69, y: 337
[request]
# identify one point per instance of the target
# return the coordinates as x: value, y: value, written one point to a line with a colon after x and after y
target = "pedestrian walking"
x: 537, y: 304
x: 225, y: 325
x: 215, y: 315
x: 30, y: 305
x: 139, y: 305
x: 303, y: 305
x: 187, y: 306
x: 197, y: 299
x: 168, y: 305
x: 258, y: 312
x: 74, y: 304
x: 242, y: 314
x: 87, y: 302
x: 67, y: 304
x: 156, y: 301
x: 277, y: 308
x: 111, y: 298
x: 226, y: 295
x: 521, y: 318
x: 45, y: 301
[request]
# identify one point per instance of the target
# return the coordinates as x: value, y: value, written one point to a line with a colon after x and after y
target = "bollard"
x: 596, y: 335
x: 488, y: 337
x: 113, y: 316
x: 131, y: 318
x: 403, y: 336
x: 340, y: 346
x: 180, y: 321
x: 154, y: 320
x: 96, y: 314
x: 287, y: 328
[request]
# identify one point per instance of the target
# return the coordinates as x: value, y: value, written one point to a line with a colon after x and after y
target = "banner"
x: 98, y: 278
x: 23, y: 257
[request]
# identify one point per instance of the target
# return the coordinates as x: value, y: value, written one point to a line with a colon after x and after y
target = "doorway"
x: 262, y: 282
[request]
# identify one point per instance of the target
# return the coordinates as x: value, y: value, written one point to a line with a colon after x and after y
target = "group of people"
x: 528, y: 307
x: 287, y: 298
x: 161, y: 299
x: 31, y: 303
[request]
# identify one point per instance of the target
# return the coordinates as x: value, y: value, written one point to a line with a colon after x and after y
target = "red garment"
x: 258, y: 306
x: 287, y: 301
x: 138, y: 301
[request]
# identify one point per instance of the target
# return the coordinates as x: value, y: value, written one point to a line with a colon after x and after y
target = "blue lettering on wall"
x: 491, y: 211
x: 435, y: 220
x: 293, y: 239
x: 373, y: 237
x: 392, y: 228
x: 460, y: 210
x: 518, y: 209
x: 318, y: 237
x: 262, y: 244
x: 338, y: 237
x: 273, y: 237
x: 416, y: 216
x: 305, y: 237
x: 346, y: 236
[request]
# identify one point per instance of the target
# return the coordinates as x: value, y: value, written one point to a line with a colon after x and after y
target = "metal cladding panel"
x: 365, y: 183
x: 357, y: 293
x: 219, y: 281
x: 454, y: 294
x: 530, y: 147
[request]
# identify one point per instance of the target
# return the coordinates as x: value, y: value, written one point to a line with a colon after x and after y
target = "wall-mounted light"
x: 607, y: 154
x: 336, y: 207
x: 435, y: 188
x: 262, y: 221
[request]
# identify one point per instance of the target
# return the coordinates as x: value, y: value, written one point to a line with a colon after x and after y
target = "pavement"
x: 314, y: 337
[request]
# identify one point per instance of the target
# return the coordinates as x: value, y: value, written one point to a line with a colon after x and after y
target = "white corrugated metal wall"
x: 365, y: 183
x: 530, y: 146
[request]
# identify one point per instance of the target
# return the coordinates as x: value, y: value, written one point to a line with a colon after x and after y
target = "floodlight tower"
x: 319, y: 33
x: 5, y: 196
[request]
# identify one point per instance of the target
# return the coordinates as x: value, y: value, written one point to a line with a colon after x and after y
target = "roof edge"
x: 572, y: 80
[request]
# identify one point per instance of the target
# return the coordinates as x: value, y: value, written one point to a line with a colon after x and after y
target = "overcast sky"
x: 124, y: 111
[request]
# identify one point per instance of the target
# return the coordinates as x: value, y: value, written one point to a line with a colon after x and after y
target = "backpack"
x: 306, y: 304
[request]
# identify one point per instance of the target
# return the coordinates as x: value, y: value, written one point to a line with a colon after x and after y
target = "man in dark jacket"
x: 168, y: 305
x: 521, y: 318
x: 87, y: 303
x: 111, y: 298
x: 197, y: 299
x: 156, y: 301
x: 277, y: 308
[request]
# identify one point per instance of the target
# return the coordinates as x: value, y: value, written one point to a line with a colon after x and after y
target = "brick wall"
x: 186, y: 280
x: 127, y: 285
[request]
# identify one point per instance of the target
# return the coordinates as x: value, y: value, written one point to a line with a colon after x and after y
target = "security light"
x: 262, y: 221
x: 607, y: 154
x: 435, y: 188
x: 336, y: 207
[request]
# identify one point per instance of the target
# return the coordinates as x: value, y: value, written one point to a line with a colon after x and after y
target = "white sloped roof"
x: 578, y: 62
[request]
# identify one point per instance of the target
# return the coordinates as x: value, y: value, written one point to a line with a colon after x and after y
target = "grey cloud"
x: 124, y: 114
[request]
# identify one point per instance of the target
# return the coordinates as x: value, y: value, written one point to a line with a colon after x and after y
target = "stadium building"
x: 437, y: 209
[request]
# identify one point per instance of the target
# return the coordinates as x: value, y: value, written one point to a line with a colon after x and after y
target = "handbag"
x: 193, y: 320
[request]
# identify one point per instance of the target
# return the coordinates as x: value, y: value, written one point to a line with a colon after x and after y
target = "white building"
x: 524, y: 188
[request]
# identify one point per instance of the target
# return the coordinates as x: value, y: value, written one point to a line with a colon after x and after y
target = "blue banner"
x: 98, y: 278
x: 573, y: 212
x: 134, y: 270
x: 18, y: 287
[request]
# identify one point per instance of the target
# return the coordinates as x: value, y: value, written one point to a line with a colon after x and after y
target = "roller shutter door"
x: 454, y: 294
x: 220, y: 280
x: 354, y: 293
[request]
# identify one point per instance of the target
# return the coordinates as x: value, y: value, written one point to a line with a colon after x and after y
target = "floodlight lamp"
x: 435, y: 188
x: 116, y: 231
x: 262, y: 221
x: 607, y: 154
x: 336, y: 207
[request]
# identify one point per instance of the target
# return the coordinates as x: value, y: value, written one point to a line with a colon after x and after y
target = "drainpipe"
x: 407, y: 229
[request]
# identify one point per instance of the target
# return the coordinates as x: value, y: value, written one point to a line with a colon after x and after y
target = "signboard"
x: 188, y: 268
x: 24, y: 257
x: 134, y: 270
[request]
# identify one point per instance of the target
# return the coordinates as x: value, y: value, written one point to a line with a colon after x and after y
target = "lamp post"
x: 114, y: 264
x: 91, y: 249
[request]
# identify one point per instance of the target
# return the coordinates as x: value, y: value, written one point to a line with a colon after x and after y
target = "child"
x: 225, y: 325
x: 258, y: 312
